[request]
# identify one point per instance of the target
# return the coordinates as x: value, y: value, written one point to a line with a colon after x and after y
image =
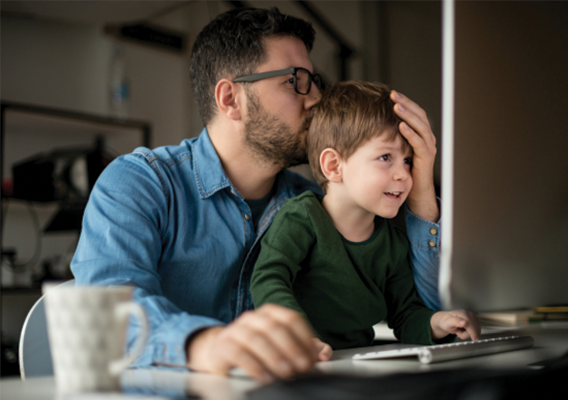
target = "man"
x: 183, y: 223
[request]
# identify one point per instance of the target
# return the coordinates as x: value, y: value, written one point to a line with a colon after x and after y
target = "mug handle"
x: 122, y: 312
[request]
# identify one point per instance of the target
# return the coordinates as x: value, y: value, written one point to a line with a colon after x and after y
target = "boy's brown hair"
x: 348, y: 115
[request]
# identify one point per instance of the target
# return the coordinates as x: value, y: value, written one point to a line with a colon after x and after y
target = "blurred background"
x: 85, y: 81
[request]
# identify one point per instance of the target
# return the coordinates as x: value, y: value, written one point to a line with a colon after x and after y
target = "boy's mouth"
x: 395, y: 195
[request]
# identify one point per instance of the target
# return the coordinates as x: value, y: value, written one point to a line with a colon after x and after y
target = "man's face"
x: 278, y: 118
x: 272, y: 139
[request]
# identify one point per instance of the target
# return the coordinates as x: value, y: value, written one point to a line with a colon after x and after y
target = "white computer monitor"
x: 505, y: 165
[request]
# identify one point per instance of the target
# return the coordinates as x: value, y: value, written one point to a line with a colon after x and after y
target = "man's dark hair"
x: 232, y: 45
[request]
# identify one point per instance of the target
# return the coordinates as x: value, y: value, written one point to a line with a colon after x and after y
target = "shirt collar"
x: 211, y: 178
x: 209, y: 173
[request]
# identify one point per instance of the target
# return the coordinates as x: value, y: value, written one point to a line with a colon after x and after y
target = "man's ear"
x: 227, y: 95
x: 330, y: 162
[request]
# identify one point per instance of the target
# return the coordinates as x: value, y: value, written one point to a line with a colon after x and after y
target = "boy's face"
x: 377, y: 177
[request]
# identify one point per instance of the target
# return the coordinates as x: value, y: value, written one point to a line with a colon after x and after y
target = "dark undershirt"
x: 258, y: 206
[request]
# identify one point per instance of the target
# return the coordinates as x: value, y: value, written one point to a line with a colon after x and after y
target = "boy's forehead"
x: 390, y: 140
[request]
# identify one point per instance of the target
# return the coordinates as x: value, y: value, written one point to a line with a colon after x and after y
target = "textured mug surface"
x: 87, y: 329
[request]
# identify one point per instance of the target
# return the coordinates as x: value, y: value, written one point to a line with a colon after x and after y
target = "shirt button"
x: 247, y: 217
x: 433, y: 231
x: 431, y: 243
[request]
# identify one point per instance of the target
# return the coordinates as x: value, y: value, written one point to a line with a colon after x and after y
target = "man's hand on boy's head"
x: 462, y: 323
x: 416, y: 129
x: 272, y: 341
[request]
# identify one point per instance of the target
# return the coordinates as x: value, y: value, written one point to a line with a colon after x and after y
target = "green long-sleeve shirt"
x: 343, y: 288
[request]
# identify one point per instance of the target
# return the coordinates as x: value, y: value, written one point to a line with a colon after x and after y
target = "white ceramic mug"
x: 87, y: 329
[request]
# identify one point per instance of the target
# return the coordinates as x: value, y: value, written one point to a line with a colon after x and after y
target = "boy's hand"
x: 460, y: 322
x: 416, y: 129
x: 272, y: 341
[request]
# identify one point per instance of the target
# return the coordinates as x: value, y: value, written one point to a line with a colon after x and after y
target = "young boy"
x: 337, y: 259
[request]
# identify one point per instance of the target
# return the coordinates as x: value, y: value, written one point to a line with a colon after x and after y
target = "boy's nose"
x: 401, y: 173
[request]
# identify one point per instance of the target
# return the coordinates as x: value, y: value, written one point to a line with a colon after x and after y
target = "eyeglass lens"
x: 304, y: 81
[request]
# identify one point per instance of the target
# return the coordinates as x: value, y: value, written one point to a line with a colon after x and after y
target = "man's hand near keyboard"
x: 269, y: 342
x: 462, y: 323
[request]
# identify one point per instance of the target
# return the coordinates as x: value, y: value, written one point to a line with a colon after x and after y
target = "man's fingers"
x: 416, y: 124
x: 297, y: 330
x: 324, y: 350
x: 415, y: 140
x: 244, y: 347
x: 414, y: 120
x: 262, y: 361
x: 279, y: 338
x: 236, y: 356
x: 274, y: 345
x: 413, y: 128
x: 408, y: 104
x: 272, y: 341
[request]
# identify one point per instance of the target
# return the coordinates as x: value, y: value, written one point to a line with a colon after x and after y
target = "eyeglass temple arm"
x: 264, y: 75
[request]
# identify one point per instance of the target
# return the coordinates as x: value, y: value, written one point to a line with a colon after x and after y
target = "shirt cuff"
x: 422, y: 233
x: 424, y: 237
x: 167, y: 346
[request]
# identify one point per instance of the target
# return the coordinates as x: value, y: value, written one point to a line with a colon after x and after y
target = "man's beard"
x: 271, y: 139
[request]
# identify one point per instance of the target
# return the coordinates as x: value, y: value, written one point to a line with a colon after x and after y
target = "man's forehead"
x: 285, y: 52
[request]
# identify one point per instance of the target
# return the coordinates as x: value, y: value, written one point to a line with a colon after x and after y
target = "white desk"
x: 550, y: 342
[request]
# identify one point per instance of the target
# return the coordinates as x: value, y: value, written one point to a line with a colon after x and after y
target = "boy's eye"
x: 385, y: 157
x: 408, y: 161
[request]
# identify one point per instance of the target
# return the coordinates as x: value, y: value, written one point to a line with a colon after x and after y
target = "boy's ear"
x: 330, y: 162
x: 228, y: 98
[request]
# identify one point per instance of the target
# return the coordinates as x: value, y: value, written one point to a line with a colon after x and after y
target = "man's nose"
x: 313, y: 97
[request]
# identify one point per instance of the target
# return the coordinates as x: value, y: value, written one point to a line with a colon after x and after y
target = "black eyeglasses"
x: 302, y: 78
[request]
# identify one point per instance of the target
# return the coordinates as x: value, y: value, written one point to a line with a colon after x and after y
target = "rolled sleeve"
x: 121, y: 244
x: 424, y: 237
x: 166, y: 346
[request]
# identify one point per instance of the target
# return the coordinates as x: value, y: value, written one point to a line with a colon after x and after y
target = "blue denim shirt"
x: 169, y: 222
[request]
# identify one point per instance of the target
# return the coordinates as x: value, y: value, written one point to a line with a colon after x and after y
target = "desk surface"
x: 551, y: 341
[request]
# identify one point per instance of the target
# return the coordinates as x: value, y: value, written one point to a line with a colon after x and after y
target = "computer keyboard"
x: 451, y: 351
